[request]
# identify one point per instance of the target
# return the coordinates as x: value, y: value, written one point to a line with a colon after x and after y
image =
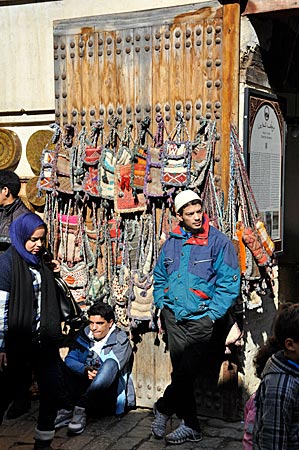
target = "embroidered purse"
x: 152, y: 185
x: 176, y: 157
x: 106, y: 174
x: 92, y: 155
x: 141, y: 299
x: 70, y: 238
x: 91, y: 181
x: 47, y: 175
x: 138, y: 168
x: 63, y: 172
x: 124, y: 200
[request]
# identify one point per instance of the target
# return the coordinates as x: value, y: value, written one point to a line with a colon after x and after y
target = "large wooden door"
x: 170, y: 60
x: 139, y: 64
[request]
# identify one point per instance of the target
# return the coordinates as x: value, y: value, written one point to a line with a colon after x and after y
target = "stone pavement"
x: 131, y: 432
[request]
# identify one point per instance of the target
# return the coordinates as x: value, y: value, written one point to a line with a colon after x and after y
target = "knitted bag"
x: 265, y: 238
x: 138, y: 168
x: 141, y: 300
x: 91, y: 181
x: 47, y: 175
x: 176, y: 160
x: 63, y: 173
x: 124, y: 200
x: 152, y: 184
x: 75, y: 277
x: 70, y: 238
x: 252, y: 241
x: 63, y: 166
x: 92, y: 155
x: 106, y: 174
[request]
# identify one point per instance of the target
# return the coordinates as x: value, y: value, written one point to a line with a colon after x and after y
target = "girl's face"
x: 36, y: 241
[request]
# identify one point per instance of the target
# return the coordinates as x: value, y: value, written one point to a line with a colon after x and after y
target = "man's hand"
x: 3, y: 361
x: 90, y: 372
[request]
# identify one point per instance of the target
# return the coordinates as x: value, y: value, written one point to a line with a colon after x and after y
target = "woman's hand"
x: 54, y: 265
x: 3, y: 361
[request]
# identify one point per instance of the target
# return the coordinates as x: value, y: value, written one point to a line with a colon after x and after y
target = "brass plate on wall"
x: 35, y: 145
x: 10, y: 149
x: 32, y: 193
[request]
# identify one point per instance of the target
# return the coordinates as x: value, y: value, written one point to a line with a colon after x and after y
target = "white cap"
x: 185, y: 197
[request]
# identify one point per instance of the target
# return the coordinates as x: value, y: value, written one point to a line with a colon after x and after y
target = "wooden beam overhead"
x: 230, y: 99
x: 263, y: 6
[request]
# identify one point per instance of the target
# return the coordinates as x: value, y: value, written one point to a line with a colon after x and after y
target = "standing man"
x: 196, y: 280
x: 11, y: 206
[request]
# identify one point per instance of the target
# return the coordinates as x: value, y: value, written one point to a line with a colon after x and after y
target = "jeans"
x: 44, y: 361
x: 97, y: 395
x: 188, y: 341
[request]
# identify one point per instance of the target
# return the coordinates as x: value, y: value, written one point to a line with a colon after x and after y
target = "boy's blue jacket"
x: 198, y: 275
x: 117, y: 347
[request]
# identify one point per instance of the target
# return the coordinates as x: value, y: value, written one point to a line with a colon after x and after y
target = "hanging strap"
x: 159, y: 136
x: 97, y: 133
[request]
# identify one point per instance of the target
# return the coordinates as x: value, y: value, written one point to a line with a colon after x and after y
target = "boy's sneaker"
x: 159, y: 423
x: 183, y: 434
x: 63, y: 418
x: 78, y: 423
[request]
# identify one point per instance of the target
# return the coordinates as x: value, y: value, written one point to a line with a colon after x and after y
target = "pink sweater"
x: 249, y: 418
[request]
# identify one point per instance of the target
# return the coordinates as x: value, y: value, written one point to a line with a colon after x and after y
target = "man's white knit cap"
x: 185, y: 197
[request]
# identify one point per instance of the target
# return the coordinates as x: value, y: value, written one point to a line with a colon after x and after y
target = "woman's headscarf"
x: 20, y: 231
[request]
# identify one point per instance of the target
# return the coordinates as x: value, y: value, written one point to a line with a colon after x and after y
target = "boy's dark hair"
x: 193, y: 202
x: 101, y: 309
x: 10, y: 180
x: 270, y: 347
x: 286, y: 323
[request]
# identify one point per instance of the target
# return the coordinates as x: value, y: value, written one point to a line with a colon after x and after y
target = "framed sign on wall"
x: 264, y: 145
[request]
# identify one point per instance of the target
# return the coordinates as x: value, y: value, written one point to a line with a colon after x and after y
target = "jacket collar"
x: 10, y: 209
x: 195, y: 239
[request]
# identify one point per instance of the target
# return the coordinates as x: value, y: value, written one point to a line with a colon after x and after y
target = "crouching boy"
x: 277, y: 399
x: 96, y: 372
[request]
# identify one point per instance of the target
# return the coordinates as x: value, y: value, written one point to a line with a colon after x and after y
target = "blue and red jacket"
x: 197, y: 275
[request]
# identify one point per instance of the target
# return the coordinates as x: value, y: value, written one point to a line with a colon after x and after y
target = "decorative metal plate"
x: 33, y: 194
x: 10, y: 149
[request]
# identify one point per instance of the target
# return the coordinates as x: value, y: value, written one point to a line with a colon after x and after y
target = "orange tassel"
x: 242, y: 249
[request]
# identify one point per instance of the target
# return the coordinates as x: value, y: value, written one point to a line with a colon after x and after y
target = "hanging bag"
x: 71, y: 313
x: 153, y: 186
x: 176, y: 157
x: 126, y: 199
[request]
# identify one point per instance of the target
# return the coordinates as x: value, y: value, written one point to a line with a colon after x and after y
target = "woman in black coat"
x: 30, y: 322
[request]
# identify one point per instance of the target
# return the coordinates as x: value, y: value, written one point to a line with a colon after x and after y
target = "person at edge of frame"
x: 30, y: 323
x: 276, y: 425
x: 196, y: 281
x: 11, y: 207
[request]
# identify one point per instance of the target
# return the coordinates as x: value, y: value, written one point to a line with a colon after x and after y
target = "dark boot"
x: 43, y: 439
x: 42, y: 445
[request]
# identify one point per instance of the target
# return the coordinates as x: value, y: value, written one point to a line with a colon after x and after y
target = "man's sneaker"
x: 63, y: 418
x: 78, y: 422
x: 159, y: 423
x: 183, y: 434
